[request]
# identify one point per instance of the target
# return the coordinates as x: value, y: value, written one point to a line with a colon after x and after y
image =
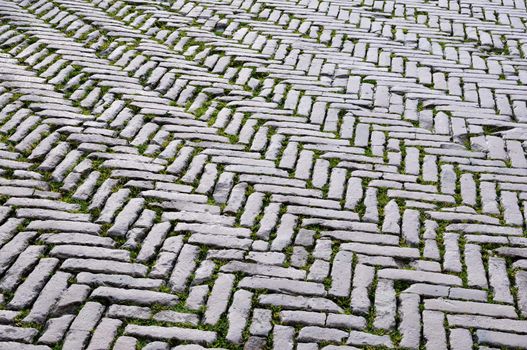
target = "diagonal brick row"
x: 263, y: 174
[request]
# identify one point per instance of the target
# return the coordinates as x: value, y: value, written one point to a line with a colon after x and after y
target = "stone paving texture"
x: 263, y: 174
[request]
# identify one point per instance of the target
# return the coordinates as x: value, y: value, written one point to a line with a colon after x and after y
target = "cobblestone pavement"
x: 263, y: 174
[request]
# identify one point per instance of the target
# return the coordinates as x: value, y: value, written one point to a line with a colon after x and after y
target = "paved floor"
x: 263, y: 174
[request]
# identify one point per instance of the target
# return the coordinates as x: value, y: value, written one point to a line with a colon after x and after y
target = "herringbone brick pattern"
x: 263, y: 174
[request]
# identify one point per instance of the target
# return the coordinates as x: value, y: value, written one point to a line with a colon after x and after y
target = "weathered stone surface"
x: 263, y: 174
x: 171, y: 333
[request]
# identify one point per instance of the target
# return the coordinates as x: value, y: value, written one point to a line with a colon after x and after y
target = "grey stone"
x: 460, y: 339
x: 219, y: 298
x: 238, y: 314
x: 141, y: 297
x: 283, y: 338
x: 385, y: 305
x: 299, y: 302
x: 171, y: 333
x: 176, y: 317
x: 433, y: 330
x: 320, y: 334
x: 30, y: 288
x: 261, y: 322
x: 410, y: 324
x: 55, y: 329
x: 501, y: 339
x: 361, y: 338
